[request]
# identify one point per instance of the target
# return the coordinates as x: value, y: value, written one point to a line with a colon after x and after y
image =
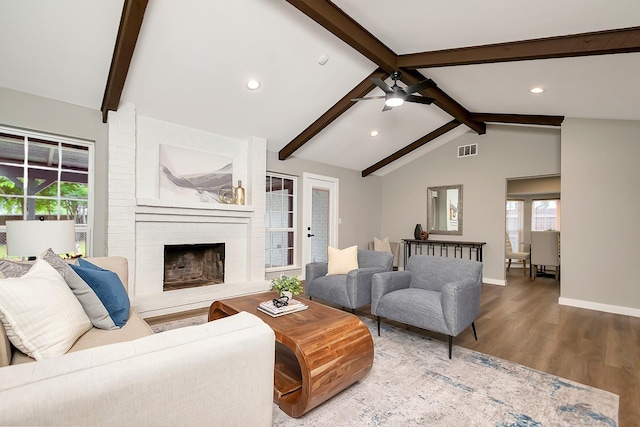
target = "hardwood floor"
x: 523, y: 322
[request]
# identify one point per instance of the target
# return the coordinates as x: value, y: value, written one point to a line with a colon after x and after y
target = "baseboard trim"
x: 494, y: 281
x: 607, y: 308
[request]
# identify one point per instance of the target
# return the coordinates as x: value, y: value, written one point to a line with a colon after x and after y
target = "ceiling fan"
x: 396, y: 95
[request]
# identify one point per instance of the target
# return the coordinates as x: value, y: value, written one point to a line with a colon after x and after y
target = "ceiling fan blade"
x: 420, y: 86
x: 368, y: 97
x: 419, y: 99
x: 382, y: 85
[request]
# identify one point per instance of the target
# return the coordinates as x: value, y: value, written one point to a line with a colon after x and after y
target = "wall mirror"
x: 444, y: 209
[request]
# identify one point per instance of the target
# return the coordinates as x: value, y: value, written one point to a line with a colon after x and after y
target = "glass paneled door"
x: 320, y: 217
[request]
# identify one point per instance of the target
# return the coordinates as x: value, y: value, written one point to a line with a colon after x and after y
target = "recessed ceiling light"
x: 253, y: 84
x: 537, y: 90
x: 374, y: 133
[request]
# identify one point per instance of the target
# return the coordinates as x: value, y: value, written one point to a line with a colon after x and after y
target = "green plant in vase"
x: 287, y: 285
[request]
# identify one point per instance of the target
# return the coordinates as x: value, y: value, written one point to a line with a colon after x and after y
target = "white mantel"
x: 140, y: 223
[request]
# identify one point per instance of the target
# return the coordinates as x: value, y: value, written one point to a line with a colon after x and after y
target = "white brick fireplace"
x: 140, y: 223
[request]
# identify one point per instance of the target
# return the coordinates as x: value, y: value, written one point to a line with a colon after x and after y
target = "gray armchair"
x: 352, y: 290
x: 435, y: 293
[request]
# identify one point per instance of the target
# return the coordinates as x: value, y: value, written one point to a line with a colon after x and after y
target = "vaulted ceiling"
x: 188, y: 61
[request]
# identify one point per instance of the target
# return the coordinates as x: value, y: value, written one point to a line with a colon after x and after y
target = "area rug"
x: 414, y: 383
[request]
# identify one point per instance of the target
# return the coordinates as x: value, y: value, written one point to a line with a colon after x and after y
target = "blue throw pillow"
x: 108, y: 288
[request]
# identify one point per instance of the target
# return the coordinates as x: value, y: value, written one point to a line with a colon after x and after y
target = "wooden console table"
x: 320, y: 351
x: 445, y: 245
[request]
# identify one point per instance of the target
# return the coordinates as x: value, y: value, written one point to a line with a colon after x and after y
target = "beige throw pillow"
x: 381, y: 245
x: 40, y: 314
x: 342, y: 261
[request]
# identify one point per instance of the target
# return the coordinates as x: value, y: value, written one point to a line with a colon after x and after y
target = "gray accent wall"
x: 26, y: 111
x: 503, y: 152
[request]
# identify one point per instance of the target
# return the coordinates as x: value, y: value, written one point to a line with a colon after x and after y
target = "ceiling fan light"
x: 253, y: 84
x: 394, y: 102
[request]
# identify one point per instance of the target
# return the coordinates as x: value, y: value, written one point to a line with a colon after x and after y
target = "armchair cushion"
x: 342, y: 261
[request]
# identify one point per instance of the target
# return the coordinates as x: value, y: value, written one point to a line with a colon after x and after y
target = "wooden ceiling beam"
x: 333, y: 19
x: 522, y: 119
x: 445, y: 102
x: 130, y: 24
x: 411, y: 147
x: 349, y: 31
x: 608, y: 42
x: 363, y: 88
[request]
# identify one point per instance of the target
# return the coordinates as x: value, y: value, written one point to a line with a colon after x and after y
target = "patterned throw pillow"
x: 13, y: 269
x: 41, y: 316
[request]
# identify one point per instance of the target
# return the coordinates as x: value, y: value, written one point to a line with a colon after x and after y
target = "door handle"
x: 310, y: 235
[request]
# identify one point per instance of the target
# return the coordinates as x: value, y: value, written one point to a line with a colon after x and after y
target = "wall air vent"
x: 467, y: 150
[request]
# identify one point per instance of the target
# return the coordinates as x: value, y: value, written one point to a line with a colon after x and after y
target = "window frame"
x: 516, y: 236
x: 62, y: 144
x: 292, y: 229
x: 558, y: 211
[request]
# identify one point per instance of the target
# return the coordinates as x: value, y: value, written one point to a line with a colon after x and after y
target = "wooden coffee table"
x: 319, y: 351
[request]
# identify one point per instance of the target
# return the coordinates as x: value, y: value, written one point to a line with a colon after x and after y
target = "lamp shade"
x: 32, y: 238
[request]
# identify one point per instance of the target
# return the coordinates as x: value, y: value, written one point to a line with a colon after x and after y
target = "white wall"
x: 600, y: 230
x: 503, y: 152
x: 23, y: 110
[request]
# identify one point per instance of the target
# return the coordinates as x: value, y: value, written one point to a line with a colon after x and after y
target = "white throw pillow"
x: 381, y: 245
x: 41, y: 315
x: 342, y: 261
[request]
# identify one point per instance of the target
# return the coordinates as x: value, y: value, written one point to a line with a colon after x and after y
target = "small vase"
x: 286, y: 294
x: 239, y: 194
x: 417, y: 231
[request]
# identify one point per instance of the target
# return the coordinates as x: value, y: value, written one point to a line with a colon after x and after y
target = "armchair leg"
x: 378, y: 325
x: 450, y: 345
x: 473, y: 326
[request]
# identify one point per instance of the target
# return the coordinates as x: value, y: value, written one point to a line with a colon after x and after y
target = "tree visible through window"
x: 279, y: 221
x: 44, y: 176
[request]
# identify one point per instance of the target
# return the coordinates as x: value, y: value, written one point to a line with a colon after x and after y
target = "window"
x: 515, y: 222
x: 280, y: 220
x: 545, y: 215
x: 45, y: 176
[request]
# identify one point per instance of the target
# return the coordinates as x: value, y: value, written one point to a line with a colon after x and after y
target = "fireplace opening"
x: 193, y: 265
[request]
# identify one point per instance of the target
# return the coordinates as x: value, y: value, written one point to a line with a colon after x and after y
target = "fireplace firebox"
x: 193, y: 265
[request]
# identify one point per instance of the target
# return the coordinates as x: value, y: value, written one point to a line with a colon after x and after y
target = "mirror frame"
x: 431, y: 207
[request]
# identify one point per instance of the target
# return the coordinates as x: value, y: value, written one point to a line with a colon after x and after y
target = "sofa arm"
x: 314, y: 270
x: 389, y: 281
x: 200, y: 375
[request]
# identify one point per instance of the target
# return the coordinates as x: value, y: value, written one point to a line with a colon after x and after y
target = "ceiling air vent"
x: 467, y: 150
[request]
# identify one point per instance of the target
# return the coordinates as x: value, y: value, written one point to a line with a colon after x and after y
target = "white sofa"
x: 219, y: 373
